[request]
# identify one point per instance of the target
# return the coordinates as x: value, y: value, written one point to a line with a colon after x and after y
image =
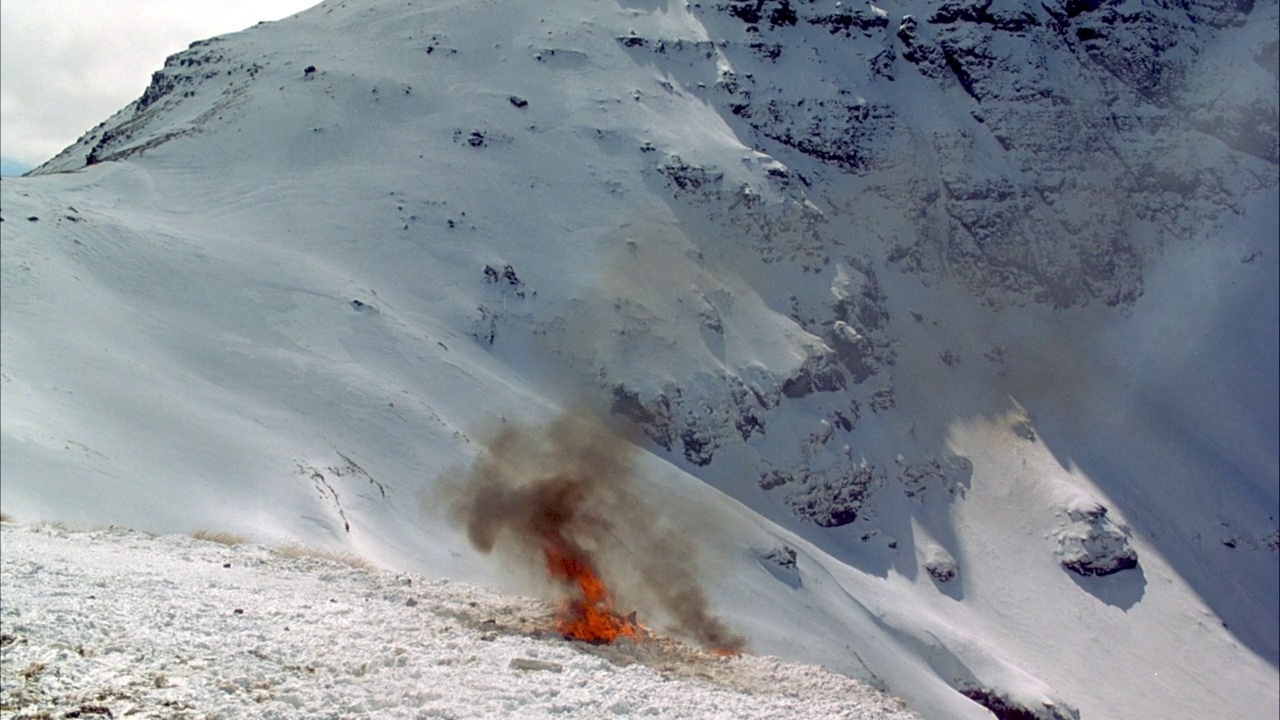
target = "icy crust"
x: 117, y: 623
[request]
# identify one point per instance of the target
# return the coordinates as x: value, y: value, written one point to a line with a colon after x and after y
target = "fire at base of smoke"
x: 563, y: 495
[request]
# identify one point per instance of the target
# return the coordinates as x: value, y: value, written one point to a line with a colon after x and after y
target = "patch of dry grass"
x: 222, y: 538
x: 298, y: 550
x: 5, y: 517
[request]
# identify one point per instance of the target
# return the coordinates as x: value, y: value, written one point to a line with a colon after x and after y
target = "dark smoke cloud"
x: 576, y: 479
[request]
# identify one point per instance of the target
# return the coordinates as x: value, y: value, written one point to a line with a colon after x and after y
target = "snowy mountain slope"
x: 119, y: 623
x: 302, y: 273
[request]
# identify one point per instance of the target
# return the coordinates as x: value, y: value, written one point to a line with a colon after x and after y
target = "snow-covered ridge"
x: 1076, y: 140
x: 116, y: 623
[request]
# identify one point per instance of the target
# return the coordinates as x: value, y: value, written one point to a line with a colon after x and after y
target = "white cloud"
x: 66, y: 65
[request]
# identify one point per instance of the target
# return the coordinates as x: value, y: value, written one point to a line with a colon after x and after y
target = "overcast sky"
x: 66, y: 65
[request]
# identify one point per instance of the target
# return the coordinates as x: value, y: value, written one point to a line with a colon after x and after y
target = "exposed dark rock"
x: 882, y: 62
x: 485, y: 326
x: 1133, y: 47
x: 838, y: 131
x: 161, y: 85
x: 767, y: 51
x: 918, y: 51
x: 699, y: 449
x: 784, y: 557
x: 979, y: 12
x: 942, y: 567
x: 689, y: 177
x: 774, y: 478
x: 865, y: 308
x: 883, y: 399
x: 1024, y: 429
x: 506, y: 275
x: 847, y: 20
x: 854, y: 351
x: 818, y: 374
x: 1078, y: 7
x: 782, y: 14
x: 748, y: 423
x: 833, y: 499
x: 934, y: 475
x: 748, y: 11
x: 1004, y: 708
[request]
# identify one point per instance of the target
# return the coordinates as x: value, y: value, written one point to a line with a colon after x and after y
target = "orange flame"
x: 588, y: 615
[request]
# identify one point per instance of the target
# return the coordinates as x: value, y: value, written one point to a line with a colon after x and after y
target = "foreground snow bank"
x: 117, y: 623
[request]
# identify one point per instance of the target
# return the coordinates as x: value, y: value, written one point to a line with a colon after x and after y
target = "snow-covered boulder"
x: 1090, y: 544
x: 940, y: 565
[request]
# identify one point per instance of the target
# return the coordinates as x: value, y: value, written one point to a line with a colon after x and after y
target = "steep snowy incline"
x: 948, y: 331
x: 117, y: 623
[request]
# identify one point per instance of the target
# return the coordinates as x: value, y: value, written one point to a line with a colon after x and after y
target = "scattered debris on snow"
x: 119, y: 623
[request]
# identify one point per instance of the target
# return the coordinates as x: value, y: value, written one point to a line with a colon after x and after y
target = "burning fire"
x: 566, y: 491
x: 588, y: 615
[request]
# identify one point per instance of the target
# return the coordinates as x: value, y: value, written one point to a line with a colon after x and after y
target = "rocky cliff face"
x: 1032, y: 153
x: 1059, y: 144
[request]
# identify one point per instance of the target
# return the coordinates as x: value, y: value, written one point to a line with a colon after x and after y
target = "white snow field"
x: 947, y: 334
x: 117, y: 623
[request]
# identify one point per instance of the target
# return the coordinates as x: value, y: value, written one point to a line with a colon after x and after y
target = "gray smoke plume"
x: 572, y: 483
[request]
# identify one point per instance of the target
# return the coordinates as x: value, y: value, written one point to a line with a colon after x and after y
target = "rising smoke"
x: 570, y: 485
